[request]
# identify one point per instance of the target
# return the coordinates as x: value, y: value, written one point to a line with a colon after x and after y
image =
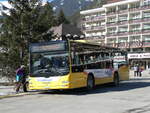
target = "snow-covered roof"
x: 120, y: 3
x: 92, y: 11
x: 5, y: 3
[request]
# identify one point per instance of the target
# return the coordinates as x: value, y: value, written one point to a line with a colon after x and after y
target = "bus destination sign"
x: 50, y: 47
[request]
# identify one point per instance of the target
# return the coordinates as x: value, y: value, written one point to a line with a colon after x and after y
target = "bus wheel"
x: 90, y: 82
x: 26, y: 87
x: 116, y: 80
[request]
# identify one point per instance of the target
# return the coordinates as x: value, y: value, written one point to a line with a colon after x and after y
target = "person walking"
x: 135, y: 70
x: 140, y: 71
x: 20, y: 77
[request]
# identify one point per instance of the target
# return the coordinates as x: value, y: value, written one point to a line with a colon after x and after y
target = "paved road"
x: 130, y: 97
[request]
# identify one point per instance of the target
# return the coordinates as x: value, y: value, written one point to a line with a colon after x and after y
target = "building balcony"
x: 146, y: 43
x: 111, y: 34
x: 132, y: 44
x: 135, y: 20
x: 145, y: 31
x: 99, y: 18
x: 96, y: 37
x: 145, y: 19
x: 112, y: 45
x: 98, y: 28
x: 109, y: 24
x: 93, y: 28
x: 123, y: 45
x: 132, y: 32
x: 122, y: 22
x: 111, y: 13
x: 92, y: 19
x: 135, y: 9
x: 121, y: 11
x: 136, y: 44
x: 144, y: 7
x: 122, y: 33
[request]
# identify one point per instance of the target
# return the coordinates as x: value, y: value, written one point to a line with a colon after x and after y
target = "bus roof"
x: 96, y: 44
x: 84, y: 44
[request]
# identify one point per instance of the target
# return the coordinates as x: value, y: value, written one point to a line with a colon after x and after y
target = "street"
x: 130, y: 97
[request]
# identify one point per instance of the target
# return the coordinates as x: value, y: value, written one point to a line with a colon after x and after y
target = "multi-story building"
x: 123, y: 24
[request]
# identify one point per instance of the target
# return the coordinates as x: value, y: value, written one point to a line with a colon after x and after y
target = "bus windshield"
x: 49, y: 64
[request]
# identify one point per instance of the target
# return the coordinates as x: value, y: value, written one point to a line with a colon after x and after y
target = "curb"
x: 18, y: 95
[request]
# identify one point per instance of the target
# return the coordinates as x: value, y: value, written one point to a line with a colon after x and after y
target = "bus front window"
x: 45, y: 65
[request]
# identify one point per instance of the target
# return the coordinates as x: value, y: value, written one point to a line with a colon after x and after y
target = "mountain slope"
x: 70, y: 6
x: 75, y: 18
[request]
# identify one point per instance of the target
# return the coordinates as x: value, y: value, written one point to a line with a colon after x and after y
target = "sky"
x: 6, y: 0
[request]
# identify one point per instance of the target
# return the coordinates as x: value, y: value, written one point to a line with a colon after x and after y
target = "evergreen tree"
x: 61, y: 18
x: 29, y: 21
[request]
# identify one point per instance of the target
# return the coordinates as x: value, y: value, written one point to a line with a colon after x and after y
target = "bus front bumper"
x: 49, y: 83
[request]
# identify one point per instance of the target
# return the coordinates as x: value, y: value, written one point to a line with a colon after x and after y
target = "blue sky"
x: 6, y: 0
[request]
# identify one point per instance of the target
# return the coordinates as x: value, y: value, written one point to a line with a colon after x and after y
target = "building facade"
x: 124, y: 24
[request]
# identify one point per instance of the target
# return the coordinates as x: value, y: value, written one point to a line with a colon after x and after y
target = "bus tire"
x: 90, y: 82
x: 116, y: 80
x: 26, y: 87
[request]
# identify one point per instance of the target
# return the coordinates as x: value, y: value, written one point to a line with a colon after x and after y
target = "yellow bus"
x: 75, y: 64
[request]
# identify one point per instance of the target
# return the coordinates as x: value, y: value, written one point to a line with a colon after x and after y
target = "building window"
x: 146, y: 26
x: 111, y: 10
x: 146, y: 37
x: 134, y: 38
x: 134, y: 28
x: 111, y: 30
x: 122, y: 18
x: 146, y: 2
x: 135, y: 5
x: 135, y: 16
x: 123, y: 29
x: 147, y: 50
x: 111, y: 40
x: 111, y: 20
x: 137, y: 49
x: 146, y: 15
x: 123, y: 39
x: 123, y: 7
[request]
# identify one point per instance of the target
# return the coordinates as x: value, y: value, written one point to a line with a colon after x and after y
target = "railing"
x: 129, y: 9
x: 145, y: 31
x: 122, y: 11
x: 132, y: 44
x: 123, y: 33
x: 145, y: 7
x: 93, y: 28
x: 144, y: 19
x: 134, y: 32
x: 122, y: 22
x: 111, y: 34
x: 111, y: 13
x: 135, y: 20
x: 135, y: 44
x: 123, y: 45
x: 110, y: 24
x: 146, y: 43
x: 91, y: 19
x: 134, y: 9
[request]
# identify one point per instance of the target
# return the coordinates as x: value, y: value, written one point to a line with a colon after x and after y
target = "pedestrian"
x: 140, y: 71
x: 20, y: 77
x: 135, y: 70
